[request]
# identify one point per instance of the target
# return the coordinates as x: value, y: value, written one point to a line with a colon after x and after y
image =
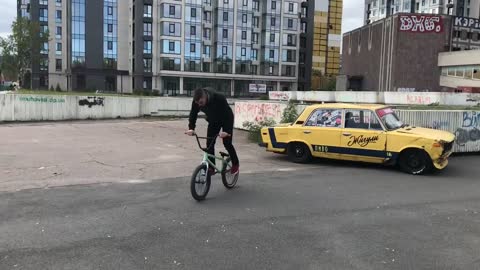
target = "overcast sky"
x: 352, y: 15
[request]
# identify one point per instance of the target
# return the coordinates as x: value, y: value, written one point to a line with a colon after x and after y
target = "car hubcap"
x: 299, y: 151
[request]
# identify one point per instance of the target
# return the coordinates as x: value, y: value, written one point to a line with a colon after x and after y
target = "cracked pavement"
x: 40, y: 155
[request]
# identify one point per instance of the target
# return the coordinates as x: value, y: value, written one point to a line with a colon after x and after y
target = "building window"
x: 58, y: 3
x: 272, y: 54
x: 192, y: 65
x: 110, y: 28
x: 172, y: 10
x: 244, y: 18
x: 244, y: 51
x: 256, y: 22
x: 243, y: 68
x: 147, y: 11
x: 245, y: 3
x: 58, y: 64
x: 206, y: 51
x: 225, y: 16
x: 207, y: 33
x: 110, y: 45
x: 225, y: 33
x: 193, y: 12
x: 253, y: 69
x: 58, y: 32
x: 147, y: 29
x: 255, y: 38
x: 244, y: 35
x: 59, y: 49
x: 193, y: 30
x: 192, y: 47
x: 224, y: 50
x: 288, y: 70
x: 273, y: 21
x: 171, y: 46
x: 290, y: 23
x: 147, y: 47
x: 256, y: 6
x: 274, y: 4
x: 225, y: 1
x: 58, y: 16
x: 254, y: 54
x: 171, y: 28
x: 147, y: 65
x: 43, y: 15
x: 270, y: 70
x: 110, y: 10
x: 290, y: 7
x: 272, y: 37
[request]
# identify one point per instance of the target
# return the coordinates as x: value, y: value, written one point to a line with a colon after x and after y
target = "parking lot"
x: 115, y: 195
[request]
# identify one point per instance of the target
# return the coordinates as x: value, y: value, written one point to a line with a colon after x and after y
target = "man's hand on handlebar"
x: 190, y: 132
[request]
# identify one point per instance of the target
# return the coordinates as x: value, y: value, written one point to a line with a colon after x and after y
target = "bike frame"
x: 207, y: 156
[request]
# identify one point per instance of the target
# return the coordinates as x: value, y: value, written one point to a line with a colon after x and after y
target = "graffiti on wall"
x: 279, y: 95
x: 258, y: 112
x: 92, y: 101
x: 42, y: 99
x: 418, y: 99
x: 469, y: 132
x: 421, y: 23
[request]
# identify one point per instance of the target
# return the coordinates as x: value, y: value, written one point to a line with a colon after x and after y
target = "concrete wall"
x: 399, y: 98
x: 15, y: 107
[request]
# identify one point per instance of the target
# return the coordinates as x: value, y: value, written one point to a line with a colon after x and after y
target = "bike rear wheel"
x: 229, y: 180
x: 200, y: 183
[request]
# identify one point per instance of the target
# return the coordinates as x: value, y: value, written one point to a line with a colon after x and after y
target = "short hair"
x: 198, y: 94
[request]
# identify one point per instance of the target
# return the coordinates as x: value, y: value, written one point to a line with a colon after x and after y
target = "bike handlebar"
x: 205, y: 138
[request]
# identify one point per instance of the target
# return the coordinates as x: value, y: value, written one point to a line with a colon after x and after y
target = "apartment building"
x: 174, y: 46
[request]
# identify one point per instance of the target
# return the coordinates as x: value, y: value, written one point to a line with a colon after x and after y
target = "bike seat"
x: 223, y: 154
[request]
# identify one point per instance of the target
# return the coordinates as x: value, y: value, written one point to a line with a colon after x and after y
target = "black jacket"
x: 217, y: 110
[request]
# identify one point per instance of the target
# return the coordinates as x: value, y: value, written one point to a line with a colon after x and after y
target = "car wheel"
x: 415, y: 162
x: 299, y: 153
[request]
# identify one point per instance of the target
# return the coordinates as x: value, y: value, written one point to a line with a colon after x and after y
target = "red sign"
x: 421, y: 23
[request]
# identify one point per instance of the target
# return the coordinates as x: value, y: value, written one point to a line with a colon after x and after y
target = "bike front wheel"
x: 200, y: 183
x: 228, y: 179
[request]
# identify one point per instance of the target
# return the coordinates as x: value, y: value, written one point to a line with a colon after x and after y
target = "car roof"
x: 348, y: 106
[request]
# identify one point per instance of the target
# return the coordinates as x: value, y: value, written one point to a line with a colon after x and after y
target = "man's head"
x: 200, y: 97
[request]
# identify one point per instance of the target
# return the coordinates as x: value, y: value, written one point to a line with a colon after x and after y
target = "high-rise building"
x: 379, y: 9
x: 322, y: 23
x: 170, y: 45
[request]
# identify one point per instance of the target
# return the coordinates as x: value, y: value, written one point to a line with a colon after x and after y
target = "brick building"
x: 398, y: 53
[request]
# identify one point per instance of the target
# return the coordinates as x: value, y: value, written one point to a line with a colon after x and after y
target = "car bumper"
x: 264, y: 145
x: 442, y: 162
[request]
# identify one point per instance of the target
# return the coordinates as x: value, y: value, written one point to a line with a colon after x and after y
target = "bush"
x: 58, y: 88
x: 290, y: 113
x: 264, y: 97
x: 138, y: 92
x: 254, y: 129
x: 155, y: 93
x: 147, y: 92
x: 51, y: 88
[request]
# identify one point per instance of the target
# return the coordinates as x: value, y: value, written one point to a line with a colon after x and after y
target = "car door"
x: 322, y: 132
x: 363, y: 137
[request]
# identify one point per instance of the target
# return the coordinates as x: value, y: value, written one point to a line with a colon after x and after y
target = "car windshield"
x: 390, y: 119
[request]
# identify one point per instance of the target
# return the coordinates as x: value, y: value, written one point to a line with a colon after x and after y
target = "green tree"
x: 8, y: 66
x: 22, y: 48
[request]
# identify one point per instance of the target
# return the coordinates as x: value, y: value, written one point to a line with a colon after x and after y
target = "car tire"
x: 299, y: 153
x: 415, y: 161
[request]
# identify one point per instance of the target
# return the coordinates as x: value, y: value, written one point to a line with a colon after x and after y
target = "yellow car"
x: 366, y: 133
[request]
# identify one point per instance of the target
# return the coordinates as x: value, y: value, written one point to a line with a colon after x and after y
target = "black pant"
x: 214, y: 130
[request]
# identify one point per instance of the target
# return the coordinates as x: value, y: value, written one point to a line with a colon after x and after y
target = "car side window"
x: 362, y: 119
x: 325, y: 118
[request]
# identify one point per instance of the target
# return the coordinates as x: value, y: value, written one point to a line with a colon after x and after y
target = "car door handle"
x: 347, y: 134
x: 307, y: 132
